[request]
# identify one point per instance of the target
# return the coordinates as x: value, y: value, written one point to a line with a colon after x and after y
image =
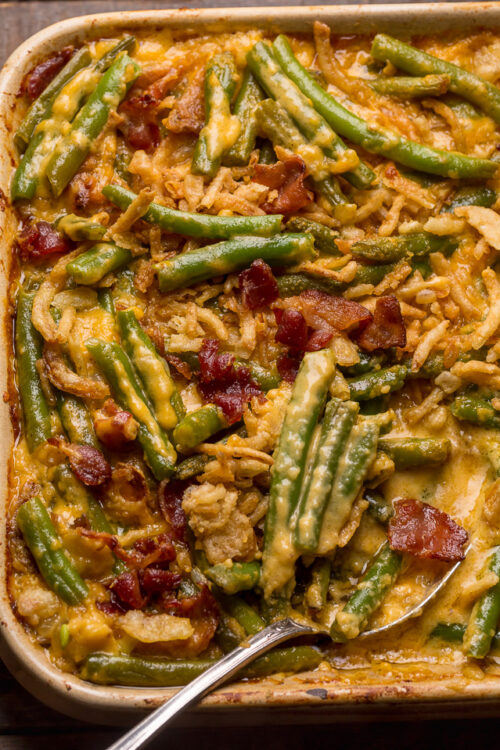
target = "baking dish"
x: 332, y: 690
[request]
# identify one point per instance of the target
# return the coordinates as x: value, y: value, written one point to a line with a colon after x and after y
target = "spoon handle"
x: 222, y: 671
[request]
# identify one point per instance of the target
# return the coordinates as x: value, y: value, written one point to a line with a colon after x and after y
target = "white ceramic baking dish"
x: 319, y: 696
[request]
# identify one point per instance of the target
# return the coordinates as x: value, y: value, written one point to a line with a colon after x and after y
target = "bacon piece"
x: 157, y: 581
x: 387, y: 328
x: 201, y: 604
x: 223, y: 384
x: 87, y: 463
x: 292, y: 329
x: 114, y: 427
x: 141, y: 131
x: 188, y: 113
x: 170, y: 495
x: 127, y: 589
x: 258, y: 286
x: 287, y: 177
x: 157, y: 90
x: 426, y: 532
x: 182, y: 367
x: 39, y: 240
x: 43, y: 73
x: 288, y: 366
x: 327, y: 311
x: 319, y: 339
x: 148, y: 551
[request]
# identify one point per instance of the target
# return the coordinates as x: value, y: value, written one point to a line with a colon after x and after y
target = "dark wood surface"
x: 25, y: 724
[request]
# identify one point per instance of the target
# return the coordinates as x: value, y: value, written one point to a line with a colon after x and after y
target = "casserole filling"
x: 256, y: 353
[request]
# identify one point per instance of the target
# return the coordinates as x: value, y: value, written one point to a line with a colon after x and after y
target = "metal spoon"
x: 277, y: 632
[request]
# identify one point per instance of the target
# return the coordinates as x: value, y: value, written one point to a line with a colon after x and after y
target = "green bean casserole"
x: 257, y: 330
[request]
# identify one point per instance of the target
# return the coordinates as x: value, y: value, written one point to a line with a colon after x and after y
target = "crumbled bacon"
x: 288, y: 366
x: 287, y: 177
x: 145, y: 551
x: 182, y: 367
x: 323, y: 311
x: 139, y: 126
x: 127, y: 589
x: 258, y: 286
x: 41, y: 239
x: 426, y: 532
x: 292, y: 329
x: 201, y: 604
x: 87, y: 463
x: 222, y: 383
x: 157, y: 580
x: 188, y: 113
x: 319, y: 339
x: 43, y: 73
x: 151, y: 97
x: 114, y: 427
x: 170, y: 495
x: 387, y: 328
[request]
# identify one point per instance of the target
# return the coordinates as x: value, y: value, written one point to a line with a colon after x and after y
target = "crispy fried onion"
x: 426, y: 532
x: 64, y: 378
x: 41, y: 317
x: 87, y: 463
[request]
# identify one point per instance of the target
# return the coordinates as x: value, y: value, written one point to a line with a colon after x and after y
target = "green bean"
x: 289, y: 659
x: 56, y: 568
x: 378, y: 507
x: 368, y: 596
x: 377, y: 383
x: 197, y: 265
x: 150, y: 671
x: 71, y: 152
x: 291, y: 284
x: 409, y: 453
x: 245, y: 105
x: 142, y: 671
x: 243, y: 613
x: 317, y: 591
x: 470, y: 407
x: 367, y: 363
x: 92, y: 265
x: 49, y: 133
x: 235, y: 577
x: 485, y: 614
x: 377, y: 140
x: 450, y: 632
x: 275, y: 123
x: 42, y: 106
x: 391, y: 249
x: 80, y: 229
x: 417, y: 62
x: 266, y: 379
x: 324, y: 237
x: 220, y: 128
x: 191, y: 466
x: 152, y: 369
x: 301, y: 416
x: 412, y: 87
x: 355, y: 462
x: 127, y: 390
x: 76, y: 420
x: 106, y: 301
x: 266, y: 153
x: 196, y: 225
x: 277, y: 84
x: 336, y: 428
x: 28, y: 352
x: 472, y: 196
x: 198, y: 426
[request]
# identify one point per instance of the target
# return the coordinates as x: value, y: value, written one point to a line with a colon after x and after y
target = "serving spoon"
x: 225, y: 668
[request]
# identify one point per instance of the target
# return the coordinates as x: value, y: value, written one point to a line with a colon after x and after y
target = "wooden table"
x: 25, y: 724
